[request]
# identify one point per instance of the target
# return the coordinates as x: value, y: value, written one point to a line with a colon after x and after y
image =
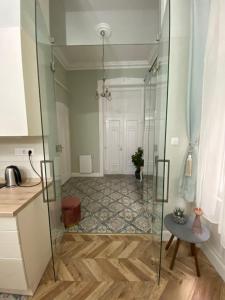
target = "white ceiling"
x: 116, y: 56
x: 96, y: 5
x: 73, y: 22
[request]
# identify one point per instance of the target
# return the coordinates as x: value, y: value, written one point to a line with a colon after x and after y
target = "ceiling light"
x: 104, y: 31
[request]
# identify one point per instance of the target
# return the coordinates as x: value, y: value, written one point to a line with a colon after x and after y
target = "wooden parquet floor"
x: 110, y: 267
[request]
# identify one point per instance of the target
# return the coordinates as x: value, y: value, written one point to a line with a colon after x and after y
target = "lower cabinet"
x: 12, y: 276
x: 25, y: 248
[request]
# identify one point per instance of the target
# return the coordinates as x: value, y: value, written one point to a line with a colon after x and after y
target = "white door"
x: 130, y: 144
x: 123, y: 129
x: 113, y: 150
x: 64, y: 140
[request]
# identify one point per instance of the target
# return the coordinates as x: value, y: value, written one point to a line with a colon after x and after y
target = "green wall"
x: 84, y: 116
x: 61, y: 84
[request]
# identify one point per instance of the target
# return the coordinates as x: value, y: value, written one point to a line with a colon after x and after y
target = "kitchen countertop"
x: 13, y: 200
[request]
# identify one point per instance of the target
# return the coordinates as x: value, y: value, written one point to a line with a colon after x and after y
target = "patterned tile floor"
x: 112, y: 204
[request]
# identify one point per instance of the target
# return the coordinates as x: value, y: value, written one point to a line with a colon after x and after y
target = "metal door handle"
x: 165, y: 161
x: 44, y: 180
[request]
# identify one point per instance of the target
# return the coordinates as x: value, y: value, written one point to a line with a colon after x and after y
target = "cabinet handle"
x: 44, y: 181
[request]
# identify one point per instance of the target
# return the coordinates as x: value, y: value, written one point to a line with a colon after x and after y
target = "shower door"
x: 157, y: 167
x: 50, y: 166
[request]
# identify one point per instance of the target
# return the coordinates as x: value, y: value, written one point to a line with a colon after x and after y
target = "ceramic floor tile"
x: 142, y: 223
x: 116, y: 207
x: 94, y: 207
x: 89, y: 223
x: 97, y: 195
x: 115, y: 196
x: 128, y: 214
x: 104, y: 214
x: 126, y: 201
x: 116, y: 224
x: 106, y: 201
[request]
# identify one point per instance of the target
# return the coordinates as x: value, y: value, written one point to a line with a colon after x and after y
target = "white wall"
x: 214, y: 251
x: 8, y: 157
x: 10, y: 16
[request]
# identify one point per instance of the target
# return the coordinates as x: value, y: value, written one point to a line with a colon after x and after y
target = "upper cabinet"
x: 19, y: 92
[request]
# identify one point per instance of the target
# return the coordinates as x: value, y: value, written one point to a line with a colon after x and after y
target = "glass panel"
x: 156, y: 167
x: 50, y: 165
x: 150, y: 97
x: 161, y: 166
x: 150, y: 104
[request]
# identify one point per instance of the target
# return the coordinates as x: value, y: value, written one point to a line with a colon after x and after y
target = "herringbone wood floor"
x: 109, y: 267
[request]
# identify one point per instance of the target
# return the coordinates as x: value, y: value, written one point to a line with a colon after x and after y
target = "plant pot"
x: 137, y: 174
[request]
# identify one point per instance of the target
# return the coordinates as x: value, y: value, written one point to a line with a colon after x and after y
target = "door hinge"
x: 52, y: 66
x: 59, y: 148
x: 52, y: 40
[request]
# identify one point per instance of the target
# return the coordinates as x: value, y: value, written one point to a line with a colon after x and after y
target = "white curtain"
x: 211, y: 166
x: 199, y: 28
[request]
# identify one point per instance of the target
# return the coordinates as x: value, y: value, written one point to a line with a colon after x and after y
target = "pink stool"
x: 71, y: 213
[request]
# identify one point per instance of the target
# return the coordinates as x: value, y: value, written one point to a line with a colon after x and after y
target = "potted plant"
x: 138, y: 161
x: 179, y: 216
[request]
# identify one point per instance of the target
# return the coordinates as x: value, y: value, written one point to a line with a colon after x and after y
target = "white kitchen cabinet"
x: 12, y: 274
x: 25, y: 248
x: 19, y: 92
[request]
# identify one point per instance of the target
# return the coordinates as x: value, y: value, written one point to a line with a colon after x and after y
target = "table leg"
x: 175, y: 253
x: 169, y: 242
x: 194, y: 253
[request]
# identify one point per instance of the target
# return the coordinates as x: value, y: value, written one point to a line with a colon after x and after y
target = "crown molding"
x: 121, y: 81
x: 110, y: 65
x: 61, y: 85
x: 58, y: 53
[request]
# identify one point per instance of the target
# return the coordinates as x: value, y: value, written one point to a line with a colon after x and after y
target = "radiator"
x: 85, y: 164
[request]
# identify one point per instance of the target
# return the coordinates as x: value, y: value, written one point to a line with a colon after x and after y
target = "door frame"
x: 120, y: 83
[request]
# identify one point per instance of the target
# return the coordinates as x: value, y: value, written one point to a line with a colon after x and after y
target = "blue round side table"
x: 183, y: 232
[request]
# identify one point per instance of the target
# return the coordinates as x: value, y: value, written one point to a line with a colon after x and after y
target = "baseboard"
x: 215, y: 259
x: 87, y: 175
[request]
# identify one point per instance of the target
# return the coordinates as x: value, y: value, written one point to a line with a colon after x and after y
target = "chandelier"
x: 105, y: 94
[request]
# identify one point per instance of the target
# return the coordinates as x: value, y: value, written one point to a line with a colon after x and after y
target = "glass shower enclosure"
x: 50, y: 166
x: 156, y: 99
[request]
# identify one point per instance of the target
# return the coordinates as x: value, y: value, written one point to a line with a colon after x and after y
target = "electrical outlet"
x: 23, y: 151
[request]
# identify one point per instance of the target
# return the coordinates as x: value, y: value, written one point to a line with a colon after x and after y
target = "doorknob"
x: 121, y: 149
